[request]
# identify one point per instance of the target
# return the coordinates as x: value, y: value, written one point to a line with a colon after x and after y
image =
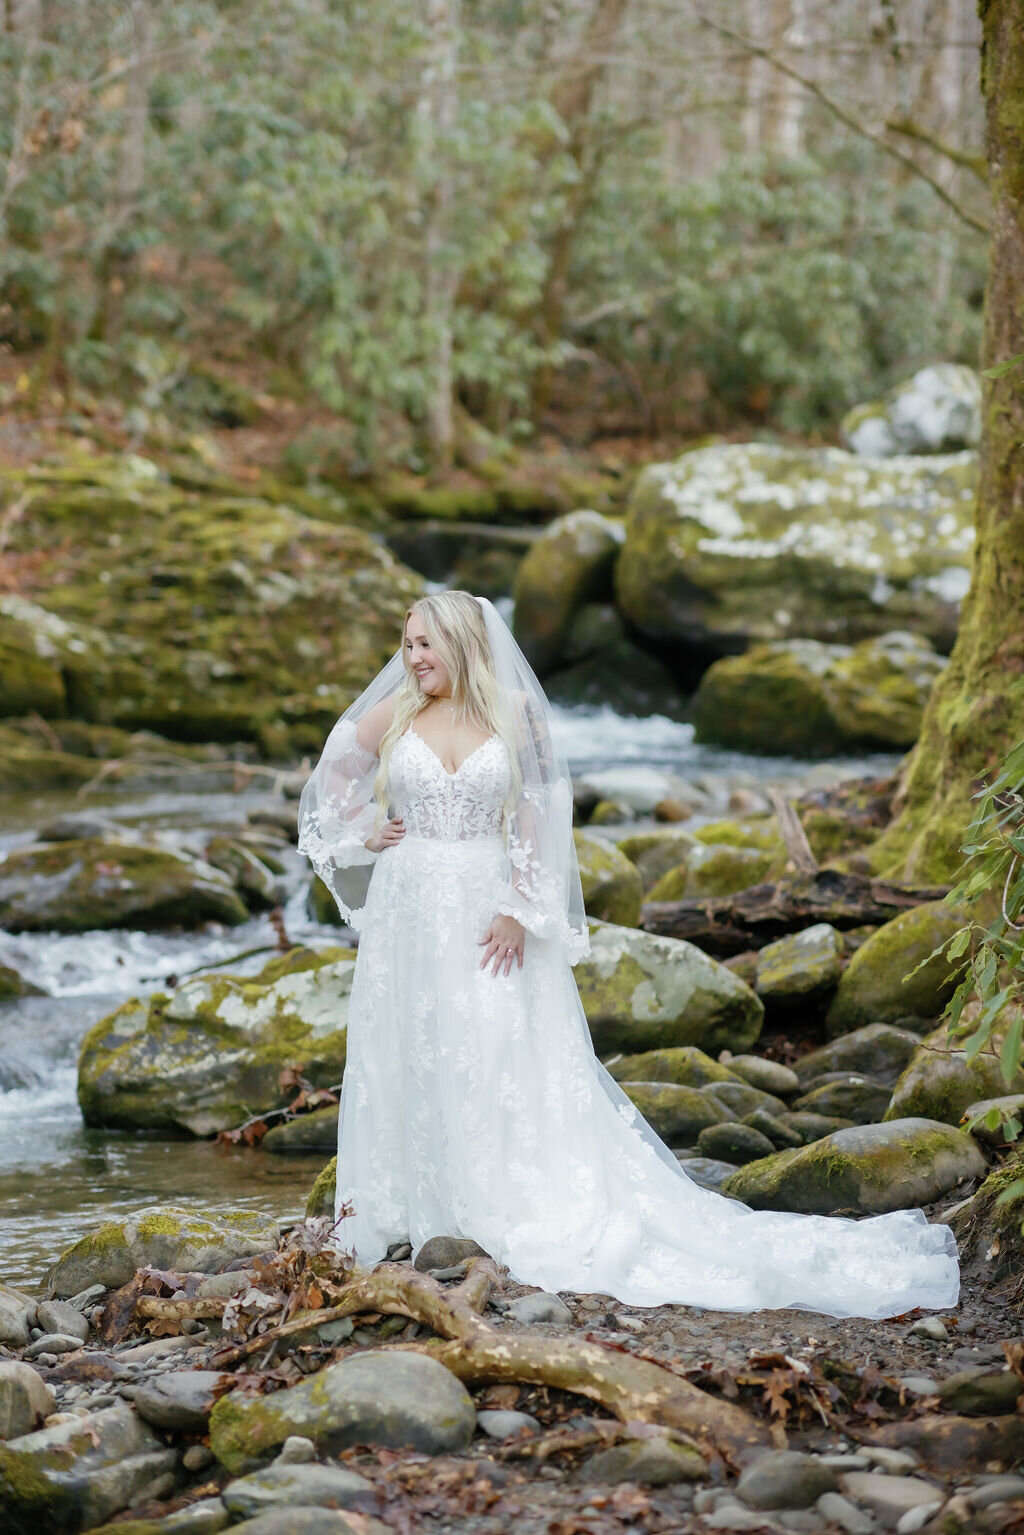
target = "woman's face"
x: 425, y: 662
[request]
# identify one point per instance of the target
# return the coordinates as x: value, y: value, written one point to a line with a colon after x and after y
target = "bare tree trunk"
x: 438, y: 107
x: 115, y: 265
x: 785, y: 102
x: 756, y: 83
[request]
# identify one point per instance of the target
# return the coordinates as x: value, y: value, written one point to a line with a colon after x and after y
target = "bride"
x: 473, y: 1104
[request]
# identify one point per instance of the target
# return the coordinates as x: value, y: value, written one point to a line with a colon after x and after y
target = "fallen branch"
x: 792, y: 833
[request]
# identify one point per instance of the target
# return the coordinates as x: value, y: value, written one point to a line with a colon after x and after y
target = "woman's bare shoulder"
x: 374, y: 723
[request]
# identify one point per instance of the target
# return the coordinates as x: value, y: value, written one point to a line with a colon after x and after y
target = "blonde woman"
x: 473, y: 1104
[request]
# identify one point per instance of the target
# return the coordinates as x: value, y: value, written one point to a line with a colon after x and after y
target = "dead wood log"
x: 792, y: 833
x: 477, y: 1352
x: 732, y: 924
x: 163, y: 1309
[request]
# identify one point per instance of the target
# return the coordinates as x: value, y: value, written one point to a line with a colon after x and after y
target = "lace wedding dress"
x: 474, y: 1105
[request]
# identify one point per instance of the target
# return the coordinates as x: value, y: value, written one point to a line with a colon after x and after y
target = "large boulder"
x: 747, y: 542
x: 796, y: 971
x: 868, y: 1169
x: 940, y: 1081
x: 677, y: 1114
x: 642, y: 992
x: 569, y: 565
x: 807, y: 699
x: 165, y: 1238
x: 683, y: 1064
x: 375, y: 1398
x: 938, y: 410
x: 879, y: 1050
x: 273, y: 608
x: 88, y: 883
x: 211, y: 1055
x: 656, y: 852
x: 882, y: 982
x: 612, y: 887
x: 714, y: 869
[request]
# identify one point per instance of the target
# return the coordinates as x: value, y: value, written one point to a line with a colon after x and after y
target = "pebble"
x: 540, y: 1307
x: 297, y: 1450
x: 52, y: 1344
x: 180, y: 1402
x: 930, y: 1327
x: 84, y: 1298
x: 503, y: 1424
x: 919, y: 1385
x: 730, y: 1515
x: 57, y: 1316
x: 895, y: 1462
x: 657, y: 1462
x: 298, y: 1486
x: 890, y: 1497
x: 25, y: 1399
x: 802, y: 1521
x: 916, y: 1518
x: 785, y: 1479
x: 839, y: 1510
x: 197, y: 1457
x: 845, y: 1462
x: 1000, y: 1490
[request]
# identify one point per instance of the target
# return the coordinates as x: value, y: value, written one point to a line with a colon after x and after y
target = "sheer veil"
x: 541, y: 883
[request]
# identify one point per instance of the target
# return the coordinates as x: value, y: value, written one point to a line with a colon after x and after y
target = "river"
x: 58, y: 1179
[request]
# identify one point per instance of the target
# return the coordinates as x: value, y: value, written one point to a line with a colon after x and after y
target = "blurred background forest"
x: 380, y: 231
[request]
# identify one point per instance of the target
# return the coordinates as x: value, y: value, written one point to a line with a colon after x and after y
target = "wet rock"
x: 656, y: 852
x: 981, y: 1393
x: 569, y: 565
x: 800, y: 968
x: 813, y: 1127
x: 14, y: 1316
x: 683, y: 1064
x: 878, y: 986
x: 890, y: 1497
x: 778, y: 1131
x: 308, y: 1132
x: 612, y: 889
x: 677, y: 1114
x: 506, y: 1425
x: 25, y: 1399
x: 79, y: 1472
x: 60, y: 1316
x: 78, y: 886
x: 742, y: 1099
x: 540, y: 1307
x: 14, y: 985
x: 374, y: 1398
x: 642, y: 992
x: 655, y: 1462
x: 299, y: 1486
x: 854, y: 1098
x: 939, y: 1082
x: 708, y: 1172
x: 737, y: 1143
x: 869, y: 1169
x: 208, y: 1057
x: 805, y: 698
x: 322, y: 1194
x: 938, y: 410
x: 164, y: 1237
x: 444, y: 1252
x: 785, y: 1479
x: 179, y: 1401
x: 769, y: 1076
x: 879, y: 1050
x: 716, y: 869
x: 247, y: 872
x: 738, y: 543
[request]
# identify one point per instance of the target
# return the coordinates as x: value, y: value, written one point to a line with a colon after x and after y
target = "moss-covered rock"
x: 641, y: 992
x: 683, y: 1064
x: 855, y: 1098
x: 734, y: 1142
x: 211, y: 1055
x: 307, y: 1132
x: 770, y: 1076
x: 714, y: 869
x: 761, y: 834
x: 612, y: 888
x: 878, y: 985
x: 678, y: 1114
x: 321, y: 1195
x: 656, y: 852
x: 779, y: 1131
x: 868, y: 1170
x: 246, y: 870
x: 740, y: 1099
x: 879, y: 1050
x: 988, y: 1226
x: 13, y: 984
x: 569, y: 565
x: 380, y: 1397
x: 92, y: 883
x: 938, y: 410
x: 813, y: 1127
x: 746, y: 542
x: 939, y: 1081
x: 801, y: 968
x: 809, y: 699
x: 166, y: 1238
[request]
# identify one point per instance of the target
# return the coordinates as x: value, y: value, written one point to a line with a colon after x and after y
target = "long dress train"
x: 474, y: 1105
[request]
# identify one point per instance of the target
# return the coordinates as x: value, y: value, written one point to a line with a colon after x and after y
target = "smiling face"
x: 421, y: 658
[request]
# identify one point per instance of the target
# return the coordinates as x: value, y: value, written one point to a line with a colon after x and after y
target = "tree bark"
x: 972, y: 718
x: 438, y: 108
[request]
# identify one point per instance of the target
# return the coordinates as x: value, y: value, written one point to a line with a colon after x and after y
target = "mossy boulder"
x: 166, y: 1238
x: 321, y: 1195
x: 760, y: 834
x: 211, y: 1055
x: 247, y: 871
x: 988, y: 1226
x: 656, y: 852
x: 91, y: 883
x: 853, y: 1097
x: 739, y: 1099
x: 380, y: 1397
x: 809, y: 699
x: 305, y: 1133
x: 779, y: 1131
x: 801, y: 968
x: 769, y: 1076
x: 813, y: 1127
x: 746, y: 542
x: 879, y: 1050
x: 940, y: 1082
x: 642, y: 992
x: 878, y: 985
x: 568, y: 566
x: 866, y: 1170
x: 612, y: 888
x: 714, y: 869
x: 13, y: 985
x: 678, y: 1114
x: 938, y: 410
x: 734, y: 1142
x: 683, y: 1064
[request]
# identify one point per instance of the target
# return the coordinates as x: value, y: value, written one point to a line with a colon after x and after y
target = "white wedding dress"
x: 473, y: 1104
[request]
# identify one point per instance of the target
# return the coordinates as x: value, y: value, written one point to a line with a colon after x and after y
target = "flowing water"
x: 58, y: 1179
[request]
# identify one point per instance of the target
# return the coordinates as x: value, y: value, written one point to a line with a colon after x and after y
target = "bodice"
x: 457, y: 807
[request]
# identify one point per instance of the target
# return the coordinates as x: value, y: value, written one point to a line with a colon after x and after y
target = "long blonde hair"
x: 454, y: 624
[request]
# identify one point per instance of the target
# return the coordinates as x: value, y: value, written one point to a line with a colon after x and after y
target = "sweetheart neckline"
x: 416, y: 736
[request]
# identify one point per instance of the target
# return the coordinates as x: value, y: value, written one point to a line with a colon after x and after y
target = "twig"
x: 792, y: 833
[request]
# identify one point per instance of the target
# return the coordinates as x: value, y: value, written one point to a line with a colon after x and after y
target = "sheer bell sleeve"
x: 337, y: 811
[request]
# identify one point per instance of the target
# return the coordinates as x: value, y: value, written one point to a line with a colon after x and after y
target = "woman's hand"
x: 390, y: 834
x: 503, y: 942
